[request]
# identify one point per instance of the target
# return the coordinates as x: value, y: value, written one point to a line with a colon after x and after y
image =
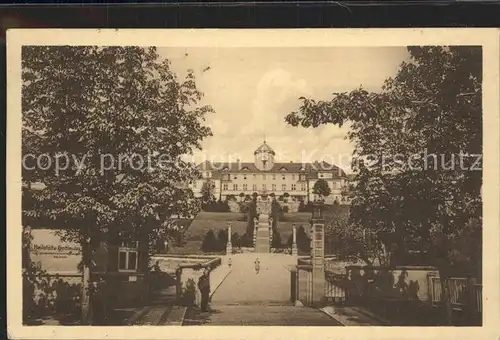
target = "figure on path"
x: 257, y: 265
x: 204, y: 287
x: 229, y: 262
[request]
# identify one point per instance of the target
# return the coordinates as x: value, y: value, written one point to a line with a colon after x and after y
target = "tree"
x: 210, y: 242
x: 208, y: 191
x: 252, y: 213
x: 303, y: 240
x: 321, y: 188
x: 418, y: 143
x: 222, y: 238
x: 110, y: 109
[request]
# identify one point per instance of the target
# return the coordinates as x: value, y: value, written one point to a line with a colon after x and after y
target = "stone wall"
x: 400, y: 282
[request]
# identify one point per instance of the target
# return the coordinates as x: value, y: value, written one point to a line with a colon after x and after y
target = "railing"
x: 463, y: 293
x: 478, y: 294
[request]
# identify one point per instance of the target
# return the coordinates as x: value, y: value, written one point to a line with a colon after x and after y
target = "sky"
x: 252, y: 90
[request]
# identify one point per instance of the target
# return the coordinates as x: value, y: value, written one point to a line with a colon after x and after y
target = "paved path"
x: 259, y: 315
x: 248, y: 298
x: 244, y: 285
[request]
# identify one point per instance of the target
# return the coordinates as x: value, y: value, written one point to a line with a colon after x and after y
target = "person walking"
x: 204, y: 287
x: 257, y: 266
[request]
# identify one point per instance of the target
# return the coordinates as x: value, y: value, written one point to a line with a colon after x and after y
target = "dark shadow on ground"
x: 195, y: 316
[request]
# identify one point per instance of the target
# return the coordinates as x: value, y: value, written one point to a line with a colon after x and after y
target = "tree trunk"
x: 86, y: 317
x: 445, y: 296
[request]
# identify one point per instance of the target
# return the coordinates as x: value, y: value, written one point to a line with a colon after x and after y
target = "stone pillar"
x: 318, y: 261
x: 294, y: 242
x: 229, y: 246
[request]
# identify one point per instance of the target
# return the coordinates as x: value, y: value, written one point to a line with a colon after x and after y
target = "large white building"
x: 265, y: 176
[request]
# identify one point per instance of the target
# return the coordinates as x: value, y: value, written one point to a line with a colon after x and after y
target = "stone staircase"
x: 262, y: 244
x: 262, y: 240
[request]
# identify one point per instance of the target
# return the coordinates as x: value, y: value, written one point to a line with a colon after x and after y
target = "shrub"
x: 222, y: 239
x: 222, y: 206
x: 303, y: 240
x: 243, y: 207
x: 276, y: 242
x: 235, y: 240
x: 246, y: 240
x: 209, y: 243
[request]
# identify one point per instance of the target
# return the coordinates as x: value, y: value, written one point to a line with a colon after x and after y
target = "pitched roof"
x: 249, y: 167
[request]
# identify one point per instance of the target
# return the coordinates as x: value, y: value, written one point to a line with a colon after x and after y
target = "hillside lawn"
x: 205, y: 221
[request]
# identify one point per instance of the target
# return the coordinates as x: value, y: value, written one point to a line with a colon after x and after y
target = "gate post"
x: 293, y: 285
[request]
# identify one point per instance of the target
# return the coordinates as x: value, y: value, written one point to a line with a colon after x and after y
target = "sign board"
x: 318, y: 240
x: 54, y: 255
x: 132, y: 278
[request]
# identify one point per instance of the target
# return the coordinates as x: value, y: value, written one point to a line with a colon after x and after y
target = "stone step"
x: 154, y: 315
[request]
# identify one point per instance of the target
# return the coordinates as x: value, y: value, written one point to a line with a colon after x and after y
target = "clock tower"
x: 264, y: 157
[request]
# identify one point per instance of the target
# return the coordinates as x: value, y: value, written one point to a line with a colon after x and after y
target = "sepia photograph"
x: 246, y: 185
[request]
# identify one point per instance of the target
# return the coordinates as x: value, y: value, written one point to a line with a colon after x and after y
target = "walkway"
x: 248, y: 298
x: 244, y: 285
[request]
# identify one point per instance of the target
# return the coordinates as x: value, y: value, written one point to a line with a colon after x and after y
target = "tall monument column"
x: 318, y: 253
x: 229, y: 246
x: 294, y: 242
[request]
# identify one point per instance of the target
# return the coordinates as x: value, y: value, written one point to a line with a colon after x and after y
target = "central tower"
x: 264, y: 157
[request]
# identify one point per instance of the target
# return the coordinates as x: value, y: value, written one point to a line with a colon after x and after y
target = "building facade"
x: 265, y: 176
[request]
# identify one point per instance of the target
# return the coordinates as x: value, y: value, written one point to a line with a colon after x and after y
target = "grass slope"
x: 205, y: 221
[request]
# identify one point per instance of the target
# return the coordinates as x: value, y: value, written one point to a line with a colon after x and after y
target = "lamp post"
x: 318, y: 252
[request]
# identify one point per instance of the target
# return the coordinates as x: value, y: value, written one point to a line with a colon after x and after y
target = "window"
x: 254, y: 187
x: 294, y: 187
x: 264, y: 176
x: 225, y: 186
x: 320, y: 175
x: 254, y: 176
x: 245, y: 187
x: 127, y: 257
x: 302, y: 177
x: 244, y: 176
x: 263, y: 186
x: 235, y: 177
x: 274, y: 176
x: 235, y: 186
x: 274, y: 187
x: 303, y: 187
x: 293, y: 176
x: 283, y: 187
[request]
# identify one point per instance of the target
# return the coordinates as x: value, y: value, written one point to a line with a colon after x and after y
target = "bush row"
x: 216, y: 241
